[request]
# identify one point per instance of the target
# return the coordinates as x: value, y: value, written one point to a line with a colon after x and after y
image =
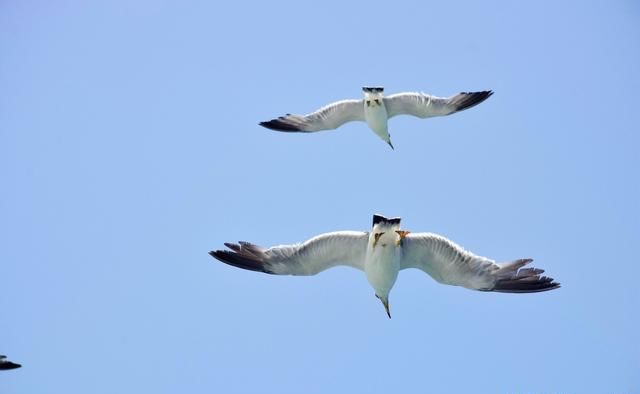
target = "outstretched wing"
x: 425, y: 106
x: 309, y: 258
x: 448, y: 263
x: 329, y: 117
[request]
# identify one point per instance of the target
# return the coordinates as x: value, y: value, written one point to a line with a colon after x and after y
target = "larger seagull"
x: 382, y: 253
x: 376, y: 110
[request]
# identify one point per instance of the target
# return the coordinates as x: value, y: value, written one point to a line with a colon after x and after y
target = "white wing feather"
x: 309, y: 258
x: 329, y: 117
x: 447, y: 262
x: 424, y: 106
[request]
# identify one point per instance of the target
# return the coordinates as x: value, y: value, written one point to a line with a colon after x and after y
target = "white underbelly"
x: 377, y: 120
x: 382, y: 266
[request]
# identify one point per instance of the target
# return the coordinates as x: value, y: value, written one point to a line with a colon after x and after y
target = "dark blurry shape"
x: 6, y: 364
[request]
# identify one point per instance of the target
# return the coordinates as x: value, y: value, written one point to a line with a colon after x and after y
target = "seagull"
x: 6, y: 364
x: 376, y: 110
x: 382, y: 253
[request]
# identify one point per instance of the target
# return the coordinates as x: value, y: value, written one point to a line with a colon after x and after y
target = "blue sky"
x: 129, y: 148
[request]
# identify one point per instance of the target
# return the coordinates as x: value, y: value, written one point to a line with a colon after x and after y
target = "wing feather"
x: 425, y: 106
x: 329, y: 117
x: 450, y: 264
x: 308, y: 258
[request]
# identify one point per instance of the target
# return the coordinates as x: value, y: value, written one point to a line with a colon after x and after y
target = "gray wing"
x: 329, y: 117
x: 450, y: 264
x: 309, y: 258
x: 425, y: 106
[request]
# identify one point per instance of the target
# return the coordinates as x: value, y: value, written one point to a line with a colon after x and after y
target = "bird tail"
x: 512, y: 278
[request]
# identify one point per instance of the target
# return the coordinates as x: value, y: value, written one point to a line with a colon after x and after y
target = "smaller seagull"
x: 382, y: 253
x: 6, y: 364
x: 376, y: 110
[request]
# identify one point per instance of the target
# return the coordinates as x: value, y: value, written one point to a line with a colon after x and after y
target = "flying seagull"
x: 382, y: 253
x: 376, y: 110
x: 6, y: 364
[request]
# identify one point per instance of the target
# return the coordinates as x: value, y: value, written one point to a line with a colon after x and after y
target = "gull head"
x: 385, y: 231
x: 373, y: 96
x: 381, y: 223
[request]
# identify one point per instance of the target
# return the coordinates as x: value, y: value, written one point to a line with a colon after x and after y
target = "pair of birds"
x: 385, y: 250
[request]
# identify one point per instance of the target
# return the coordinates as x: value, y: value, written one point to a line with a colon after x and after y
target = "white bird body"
x: 376, y: 110
x: 382, y: 262
x: 375, y: 113
x: 382, y: 253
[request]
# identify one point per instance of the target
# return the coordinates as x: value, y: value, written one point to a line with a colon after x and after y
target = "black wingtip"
x: 513, y: 278
x: 7, y: 365
x: 245, y: 259
x: 279, y: 125
x: 530, y: 284
x: 471, y: 99
x: 377, y: 218
x: 521, y: 286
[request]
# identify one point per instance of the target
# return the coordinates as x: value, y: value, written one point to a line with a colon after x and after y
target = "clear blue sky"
x: 129, y: 148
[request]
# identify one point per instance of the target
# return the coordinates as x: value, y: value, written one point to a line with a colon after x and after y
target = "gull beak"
x: 386, y: 307
x: 385, y: 302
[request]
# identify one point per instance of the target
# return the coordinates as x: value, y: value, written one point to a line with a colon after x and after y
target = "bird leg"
x: 402, y: 234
